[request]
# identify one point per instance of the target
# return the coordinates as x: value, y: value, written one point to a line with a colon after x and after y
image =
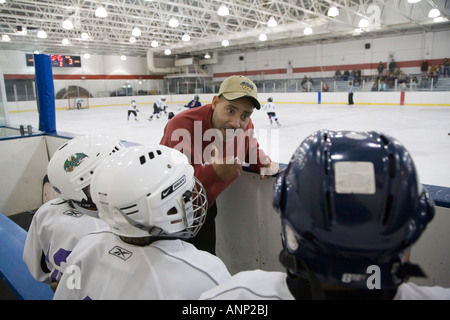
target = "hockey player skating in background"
x: 269, y: 107
x: 158, y: 106
x: 132, y: 110
x: 194, y: 102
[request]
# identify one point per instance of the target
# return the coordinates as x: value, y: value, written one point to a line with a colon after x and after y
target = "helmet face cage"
x: 199, y: 202
x: 155, y: 193
x: 340, y: 228
x: 71, y: 168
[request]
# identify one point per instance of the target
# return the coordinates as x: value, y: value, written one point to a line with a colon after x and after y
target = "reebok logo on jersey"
x: 74, y: 161
x: 73, y: 213
x: 121, y: 253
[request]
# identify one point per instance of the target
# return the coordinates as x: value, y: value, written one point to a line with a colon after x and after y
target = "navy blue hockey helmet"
x: 350, y: 202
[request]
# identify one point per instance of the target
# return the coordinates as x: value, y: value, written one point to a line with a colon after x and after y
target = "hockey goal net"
x: 81, y: 102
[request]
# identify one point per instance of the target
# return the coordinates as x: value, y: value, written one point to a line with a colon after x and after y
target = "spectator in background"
x: 446, y: 67
x: 425, y: 79
x: 375, y: 85
x: 346, y: 75
x: 414, y: 82
x: 424, y: 67
x: 338, y: 75
x: 380, y: 68
x: 434, y: 76
x: 383, y: 86
x: 392, y: 66
x: 325, y: 87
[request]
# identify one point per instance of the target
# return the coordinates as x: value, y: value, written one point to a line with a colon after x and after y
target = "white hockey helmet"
x: 71, y: 167
x: 149, y: 190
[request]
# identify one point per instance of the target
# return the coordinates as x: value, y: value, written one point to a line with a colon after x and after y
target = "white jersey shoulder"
x: 251, y: 285
x: 166, y: 269
x: 54, y: 231
x: 269, y: 107
x: 132, y: 106
x: 160, y: 103
x: 411, y: 291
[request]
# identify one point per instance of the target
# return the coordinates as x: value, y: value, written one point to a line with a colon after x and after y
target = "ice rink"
x: 424, y: 130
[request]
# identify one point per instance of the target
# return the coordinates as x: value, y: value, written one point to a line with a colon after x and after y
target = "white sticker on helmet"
x: 356, y: 135
x: 354, y: 177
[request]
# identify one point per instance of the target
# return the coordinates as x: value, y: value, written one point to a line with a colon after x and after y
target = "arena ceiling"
x: 199, y: 19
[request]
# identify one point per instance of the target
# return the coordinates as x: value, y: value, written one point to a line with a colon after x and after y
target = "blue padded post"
x: 12, y: 268
x: 46, y: 92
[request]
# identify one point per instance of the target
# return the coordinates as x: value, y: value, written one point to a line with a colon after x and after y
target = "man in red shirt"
x: 218, y: 138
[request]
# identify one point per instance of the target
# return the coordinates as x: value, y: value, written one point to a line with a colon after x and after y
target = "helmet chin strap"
x: 152, y: 230
x: 158, y: 232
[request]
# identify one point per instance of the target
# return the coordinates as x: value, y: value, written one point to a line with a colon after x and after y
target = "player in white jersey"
x: 159, y: 106
x: 269, y: 107
x: 59, y: 223
x: 347, y: 234
x: 151, y: 199
x: 132, y: 109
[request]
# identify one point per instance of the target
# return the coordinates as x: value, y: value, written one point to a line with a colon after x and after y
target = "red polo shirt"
x: 190, y: 133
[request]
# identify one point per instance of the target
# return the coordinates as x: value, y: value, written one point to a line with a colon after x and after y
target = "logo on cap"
x: 246, y: 86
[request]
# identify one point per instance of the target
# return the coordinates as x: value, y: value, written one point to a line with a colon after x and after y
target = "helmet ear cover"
x: 340, y: 232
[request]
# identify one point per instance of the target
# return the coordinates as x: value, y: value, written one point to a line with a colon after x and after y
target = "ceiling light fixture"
x: 132, y: 40
x: 85, y: 36
x: 67, y: 24
x: 167, y: 52
x: 101, y: 12
x: 223, y: 11
x: 87, y: 56
x: 308, y: 31
x: 123, y: 57
x: 136, y: 32
x: 225, y: 43
x: 41, y: 34
x: 186, y: 37
x: 207, y: 56
x: 272, y: 22
x: 333, y: 12
x: 65, y: 41
x: 154, y: 43
x: 262, y: 37
x: 173, y: 23
x: 434, y: 13
x: 363, y: 23
x: 5, y: 37
x: 413, y: 1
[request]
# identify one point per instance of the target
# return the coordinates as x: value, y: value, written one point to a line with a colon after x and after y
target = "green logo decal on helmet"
x: 74, y: 161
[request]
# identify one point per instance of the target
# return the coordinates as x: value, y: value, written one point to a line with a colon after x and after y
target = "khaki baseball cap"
x: 236, y: 87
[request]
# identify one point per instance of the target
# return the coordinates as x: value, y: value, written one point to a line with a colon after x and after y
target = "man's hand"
x: 227, y: 168
x: 269, y: 170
